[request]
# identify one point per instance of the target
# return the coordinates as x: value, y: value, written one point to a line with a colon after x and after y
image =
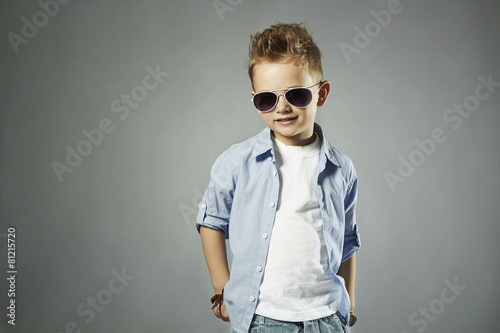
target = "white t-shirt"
x: 295, y: 284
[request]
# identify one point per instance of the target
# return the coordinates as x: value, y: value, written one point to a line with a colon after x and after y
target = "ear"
x: 323, y: 92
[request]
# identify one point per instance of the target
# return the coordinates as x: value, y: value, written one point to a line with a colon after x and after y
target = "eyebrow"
x: 320, y: 82
x: 298, y: 86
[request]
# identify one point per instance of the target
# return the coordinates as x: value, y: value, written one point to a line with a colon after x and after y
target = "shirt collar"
x: 264, y: 144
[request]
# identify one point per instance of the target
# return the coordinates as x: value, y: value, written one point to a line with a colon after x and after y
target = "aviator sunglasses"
x: 299, y: 97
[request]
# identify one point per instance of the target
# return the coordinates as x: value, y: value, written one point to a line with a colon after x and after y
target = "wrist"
x: 352, y: 319
x: 219, y: 285
x: 218, y: 290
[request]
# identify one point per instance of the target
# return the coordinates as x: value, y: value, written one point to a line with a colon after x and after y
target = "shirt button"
x: 269, y: 158
x: 252, y: 299
x: 259, y: 269
x: 264, y: 236
x: 203, y: 205
x: 271, y: 204
x: 274, y: 173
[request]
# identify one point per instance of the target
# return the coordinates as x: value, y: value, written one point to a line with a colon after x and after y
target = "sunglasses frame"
x: 284, y: 95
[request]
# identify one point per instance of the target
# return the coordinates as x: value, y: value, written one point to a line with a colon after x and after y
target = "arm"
x: 347, y: 270
x: 214, y: 248
x: 347, y: 267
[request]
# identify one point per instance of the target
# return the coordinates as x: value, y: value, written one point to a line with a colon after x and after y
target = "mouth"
x: 286, y: 120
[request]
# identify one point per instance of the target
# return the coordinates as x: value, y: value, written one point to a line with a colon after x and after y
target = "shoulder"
x: 245, y: 148
x: 239, y: 153
x: 335, y: 156
x: 344, y: 162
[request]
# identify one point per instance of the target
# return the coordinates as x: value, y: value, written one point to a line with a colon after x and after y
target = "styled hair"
x: 283, y: 42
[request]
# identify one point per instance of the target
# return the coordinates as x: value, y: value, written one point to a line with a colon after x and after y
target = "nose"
x: 282, y: 104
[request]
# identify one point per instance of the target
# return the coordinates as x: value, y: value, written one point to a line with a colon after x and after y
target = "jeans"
x: 330, y: 324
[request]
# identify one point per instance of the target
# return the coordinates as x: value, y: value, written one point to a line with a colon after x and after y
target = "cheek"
x: 266, y: 117
x: 306, y: 112
x: 308, y: 115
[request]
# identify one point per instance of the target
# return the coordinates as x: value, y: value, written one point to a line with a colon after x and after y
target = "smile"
x: 287, y: 120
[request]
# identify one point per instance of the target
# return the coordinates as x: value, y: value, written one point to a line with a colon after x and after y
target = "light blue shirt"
x: 241, y: 200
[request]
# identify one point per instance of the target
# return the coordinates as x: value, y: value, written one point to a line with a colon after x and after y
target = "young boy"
x: 286, y: 199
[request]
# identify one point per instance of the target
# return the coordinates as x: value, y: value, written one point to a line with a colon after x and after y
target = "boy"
x: 286, y: 199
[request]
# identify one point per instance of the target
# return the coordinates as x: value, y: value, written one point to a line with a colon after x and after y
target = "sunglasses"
x: 300, y: 97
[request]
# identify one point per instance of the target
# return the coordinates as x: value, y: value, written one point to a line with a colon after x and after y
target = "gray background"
x: 131, y: 202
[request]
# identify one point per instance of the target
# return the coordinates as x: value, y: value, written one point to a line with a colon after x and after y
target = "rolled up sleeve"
x: 351, y: 233
x: 215, y: 207
x: 214, y: 221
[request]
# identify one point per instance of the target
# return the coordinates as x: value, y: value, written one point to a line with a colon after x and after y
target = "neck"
x: 294, y: 141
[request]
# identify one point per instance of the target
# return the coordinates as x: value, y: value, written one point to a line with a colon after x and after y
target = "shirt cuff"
x: 351, y: 244
x: 212, y: 222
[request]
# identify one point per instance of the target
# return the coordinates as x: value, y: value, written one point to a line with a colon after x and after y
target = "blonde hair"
x: 284, y: 42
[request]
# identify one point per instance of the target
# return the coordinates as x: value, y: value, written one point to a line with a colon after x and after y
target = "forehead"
x: 279, y: 75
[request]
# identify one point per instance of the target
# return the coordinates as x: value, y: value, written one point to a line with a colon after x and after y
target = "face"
x: 291, y: 125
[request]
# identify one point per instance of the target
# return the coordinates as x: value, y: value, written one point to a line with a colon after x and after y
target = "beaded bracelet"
x: 217, y: 300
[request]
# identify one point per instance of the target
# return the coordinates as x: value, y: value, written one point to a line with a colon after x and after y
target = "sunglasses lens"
x: 300, y: 97
x: 264, y: 101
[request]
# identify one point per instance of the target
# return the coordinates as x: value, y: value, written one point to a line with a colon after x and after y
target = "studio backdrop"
x: 114, y: 111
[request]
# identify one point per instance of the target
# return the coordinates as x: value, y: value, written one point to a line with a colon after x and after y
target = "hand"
x: 221, y: 312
